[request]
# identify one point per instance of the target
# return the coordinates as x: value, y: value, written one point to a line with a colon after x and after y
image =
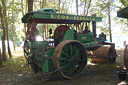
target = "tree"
x: 124, y: 22
x: 124, y: 2
x: 77, y: 7
x: 30, y: 5
x: 83, y: 4
x: 6, y: 25
x: 104, y: 9
x: 23, y: 11
x: 12, y: 32
x: 1, y: 59
x: 2, y: 13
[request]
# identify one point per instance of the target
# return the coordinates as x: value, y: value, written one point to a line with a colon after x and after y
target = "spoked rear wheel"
x: 70, y: 51
x: 126, y: 57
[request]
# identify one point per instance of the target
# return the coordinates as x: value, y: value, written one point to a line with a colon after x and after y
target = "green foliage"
x: 103, y: 8
x: 13, y: 8
x: 50, y: 26
x: 99, y: 7
x: 124, y: 2
x: 124, y: 22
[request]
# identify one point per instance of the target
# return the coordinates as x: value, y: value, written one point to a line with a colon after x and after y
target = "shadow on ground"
x: 98, y: 74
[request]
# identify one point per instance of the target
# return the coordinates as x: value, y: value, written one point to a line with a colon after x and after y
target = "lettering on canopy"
x: 69, y: 17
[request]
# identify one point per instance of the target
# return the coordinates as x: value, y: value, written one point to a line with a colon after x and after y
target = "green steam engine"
x: 69, y: 49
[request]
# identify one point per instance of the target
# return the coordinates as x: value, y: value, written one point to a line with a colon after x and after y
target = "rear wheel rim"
x: 71, y: 50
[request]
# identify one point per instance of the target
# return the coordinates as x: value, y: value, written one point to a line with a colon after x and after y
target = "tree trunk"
x: 43, y: 4
x: 30, y: 5
x: 9, y: 51
x: 1, y: 59
x: 85, y: 6
x: 22, y: 7
x: 4, y: 56
x: 63, y: 7
x: 40, y: 3
x: 13, y: 41
x: 12, y: 31
x: 77, y: 7
x: 88, y: 7
x: 109, y: 21
x: 59, y: 6
x: 6, y: 26
x: 26, y: 7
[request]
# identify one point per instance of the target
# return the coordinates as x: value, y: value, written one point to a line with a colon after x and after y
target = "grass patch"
x: 103, y: 66
x: 16, y: 63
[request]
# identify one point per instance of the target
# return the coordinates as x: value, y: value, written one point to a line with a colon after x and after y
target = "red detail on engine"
x: 59, y: 31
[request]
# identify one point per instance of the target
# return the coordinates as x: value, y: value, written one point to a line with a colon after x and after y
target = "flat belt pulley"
x: 73, y: 52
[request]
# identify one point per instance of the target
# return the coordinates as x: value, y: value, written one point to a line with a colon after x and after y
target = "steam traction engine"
x: 67, y: 53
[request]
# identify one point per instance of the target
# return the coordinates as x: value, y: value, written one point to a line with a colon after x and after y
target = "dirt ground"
x: 95, y: 74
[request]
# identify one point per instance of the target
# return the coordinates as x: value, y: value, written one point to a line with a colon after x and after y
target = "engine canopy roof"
x: 123, y: 13
x: 51, y: 16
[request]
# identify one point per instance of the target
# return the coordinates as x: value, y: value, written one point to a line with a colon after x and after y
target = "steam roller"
x: 64, y: 51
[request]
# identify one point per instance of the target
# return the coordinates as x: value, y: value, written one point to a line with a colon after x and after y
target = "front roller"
x: 72, y: 52
x: 126, y: 57
x: 104, y: 54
